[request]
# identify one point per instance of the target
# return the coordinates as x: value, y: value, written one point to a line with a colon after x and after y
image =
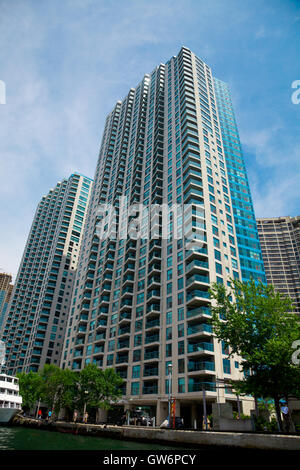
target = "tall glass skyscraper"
x: 35, y: 321
x: 141, y: 302
x: 244, y: 219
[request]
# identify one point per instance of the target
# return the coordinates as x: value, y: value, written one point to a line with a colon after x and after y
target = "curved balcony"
x: 126, y: 305
x: 83, y: 318
x: 153, y: 309
x: 78, y: 353
x: 128, y: 280
x: 100, y: 337
x: 154, y: 281
x: 154, y: 267
x: 196, y: 297
x: 99, y: 349
x: 197, y: 266
x: 85, y: 306
x: 197, y: 280
x: 102, y: 324
x: 152, y: 338
x: 122, y: 359
x: 125, y: 331
x: 199, y: 330
x: 200, y: 312
x: 129, y: 267
x: 153, y: 295
x: 200, y: 348
x: 81, y: 329
x: 86, y: 295
x: 124, y: 318
x: 201, y: 366
x: 127, y: 292
x: 153, y: 324
x: 124, y: 344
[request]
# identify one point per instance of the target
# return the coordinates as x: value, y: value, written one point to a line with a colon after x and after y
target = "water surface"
x: 18, y: 438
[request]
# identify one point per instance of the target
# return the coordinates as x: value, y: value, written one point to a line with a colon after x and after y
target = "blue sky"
x: 66, y: 63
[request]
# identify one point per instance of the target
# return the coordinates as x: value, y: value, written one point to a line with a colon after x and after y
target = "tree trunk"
x: 278, y: 413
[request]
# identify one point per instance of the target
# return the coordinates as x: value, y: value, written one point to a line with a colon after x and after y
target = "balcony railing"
x: 197, y: 366
x: 199, y: 347
x: 151, y: 355
x: 197, y: 278
x: 151, y: 371
x: 192, y: 330
x: 199, y: 386
x: 198, y: 311
x: 151, y: 339
x: 197, y: 264
x: 150, y: 390
x: 197, y: 293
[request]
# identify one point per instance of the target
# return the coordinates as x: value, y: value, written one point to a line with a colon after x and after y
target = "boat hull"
x: 7, y: 414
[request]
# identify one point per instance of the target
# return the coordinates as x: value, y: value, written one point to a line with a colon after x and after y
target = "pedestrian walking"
x: 286, y: 417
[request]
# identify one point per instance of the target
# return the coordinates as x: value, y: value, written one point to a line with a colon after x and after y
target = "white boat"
x: 10, y: 399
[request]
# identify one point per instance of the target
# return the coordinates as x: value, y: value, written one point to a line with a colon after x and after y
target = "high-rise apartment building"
x: 5, y: 294
x: 244, y: 218
x: 280, y: 244
x: 36, y: 317
x: 141, y: 302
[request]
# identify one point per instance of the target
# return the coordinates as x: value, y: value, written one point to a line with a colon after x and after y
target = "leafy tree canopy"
x: 258, y: 324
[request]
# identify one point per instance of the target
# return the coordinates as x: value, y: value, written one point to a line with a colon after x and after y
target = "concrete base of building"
x: 191, y: 409
x: 180, y: 437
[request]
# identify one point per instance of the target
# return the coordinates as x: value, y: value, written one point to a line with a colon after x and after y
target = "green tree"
x: 30, y: 388
x: 98, y: 388
x: 257, y: 324
x: 58, y: 387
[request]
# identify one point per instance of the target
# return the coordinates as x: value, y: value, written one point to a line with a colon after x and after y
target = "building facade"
x: 280, y: 243
x: 36, y: 317
x: 250, y: 255
x: 141, y: 302
x: 5, y: 294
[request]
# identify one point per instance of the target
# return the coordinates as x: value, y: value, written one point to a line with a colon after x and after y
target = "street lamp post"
x: 170, y: 385
x: 204, y: 407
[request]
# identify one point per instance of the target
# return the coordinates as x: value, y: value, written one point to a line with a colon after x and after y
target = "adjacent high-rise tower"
x: 36, y: 317
x: 5, y: 294
x: 141, y: 302
x: 280, y: 243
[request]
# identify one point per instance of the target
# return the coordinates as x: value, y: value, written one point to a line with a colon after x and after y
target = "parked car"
x: 140, y: 418
x: 178, y: 423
